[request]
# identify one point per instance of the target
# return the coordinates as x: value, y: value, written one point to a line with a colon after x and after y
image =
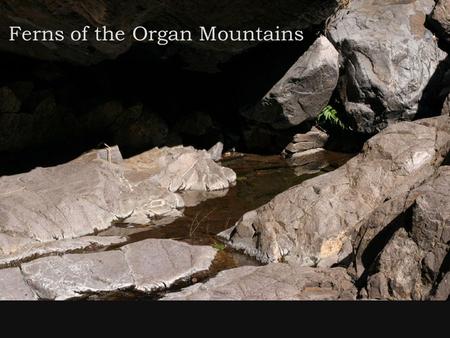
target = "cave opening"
x: 55, y: 111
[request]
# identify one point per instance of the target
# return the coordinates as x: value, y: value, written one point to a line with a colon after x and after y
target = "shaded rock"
x: 272, y: 282
x: 22, y: 89
x: 313, y: 223
x: 197, y: 124
x: 150, y: 265
x: 303, y: 91
x: 71, y: 276
x: 398, y: 275
x: 103, y: 117
x: 9, y: 103
x: 60, y: 247
x: 13, y: 287
x: 139, y: 129
x: 389, y: 58
x: 158, y: 264
x: 440, y: 19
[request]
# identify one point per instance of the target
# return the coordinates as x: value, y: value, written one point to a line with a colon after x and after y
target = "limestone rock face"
x: 313, y: 223
x: 303, y: 91
x: 68, y: 15
x: 272, y: 282
x: 389, y: 58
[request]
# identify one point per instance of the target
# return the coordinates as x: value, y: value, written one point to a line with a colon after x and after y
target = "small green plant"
x: 330, y: 115
x: 218, y: 246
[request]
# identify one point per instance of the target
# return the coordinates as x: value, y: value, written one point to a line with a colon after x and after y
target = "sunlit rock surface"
x: 313, y: 223
x: 272, y: 282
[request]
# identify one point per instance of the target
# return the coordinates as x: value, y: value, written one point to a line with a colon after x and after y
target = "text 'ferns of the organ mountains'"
x: 161, y: 37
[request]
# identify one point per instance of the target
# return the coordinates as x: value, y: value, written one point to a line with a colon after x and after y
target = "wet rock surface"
x: 313, y: 223
x: 389, y: 59
x: 273, y: 282
x: 303, y: 91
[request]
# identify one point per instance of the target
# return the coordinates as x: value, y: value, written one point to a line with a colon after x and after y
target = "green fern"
x: 329, y: 114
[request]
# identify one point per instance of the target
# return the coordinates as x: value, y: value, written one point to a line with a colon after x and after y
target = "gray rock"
x: 182, y: 168
x: 411, y: 264
x: 158, y: 264
x: 431, y: 223
x: 61, y: 246
x: 72, y: 276
x: 314, y: 222
x: 9, y: 103
x: 272, y: 282
x: 441, y: 19
x: 97, y: 189
x: 398, y: 275
x: 13, y: 287
x: 389, y: 58
x: 148, y: 266
x: 216, y: 151
x: 313, y: 139
x: 303, y: 91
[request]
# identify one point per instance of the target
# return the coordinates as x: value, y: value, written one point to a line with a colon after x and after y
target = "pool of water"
x: 259, y: 179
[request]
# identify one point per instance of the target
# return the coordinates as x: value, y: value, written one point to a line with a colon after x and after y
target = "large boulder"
x: 431, y: 223
x: 272, y: 282
x: 397, y: 274
x: 115, y: 14
x: 92, y: 192
x: 389, y: 58
x: 303, y: 91
x: 314, y: 223
x: 413, y: 263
